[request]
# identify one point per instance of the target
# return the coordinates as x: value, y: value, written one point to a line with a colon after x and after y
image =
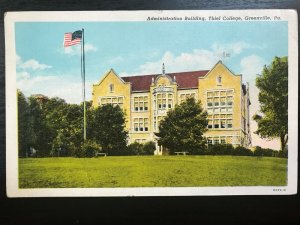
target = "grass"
x: 152, y: 171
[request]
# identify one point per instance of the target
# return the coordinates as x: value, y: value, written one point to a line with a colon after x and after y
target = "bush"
x: 149, y: 148
x: 135, y: 148
x: 141, y: 149
x: 259, y: 151
x: 283, y: 154
x: 220, y: 149
x: 242, y: 151
x: 87, y: 149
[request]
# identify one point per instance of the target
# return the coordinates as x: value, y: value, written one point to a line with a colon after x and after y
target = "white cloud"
x: 251, y: 66
x: 76, y: 49
x: 233, y: 49
x: 53, y: 86
x: 198, y: 59
x: 90, y: 48
x: 33, y: 64
x: 115, y: 60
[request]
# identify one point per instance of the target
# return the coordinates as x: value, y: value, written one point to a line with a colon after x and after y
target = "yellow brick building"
x: 146, y: 100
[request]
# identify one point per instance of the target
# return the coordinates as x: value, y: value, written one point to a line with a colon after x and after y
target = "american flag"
x: 72, y: 38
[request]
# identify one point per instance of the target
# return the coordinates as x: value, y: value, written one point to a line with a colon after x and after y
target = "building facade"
x: 146, y: 100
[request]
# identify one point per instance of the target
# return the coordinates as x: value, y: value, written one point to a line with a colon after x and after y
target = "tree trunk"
x: 283, y: 141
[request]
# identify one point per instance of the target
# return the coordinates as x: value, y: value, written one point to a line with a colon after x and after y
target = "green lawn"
x: 152, y: 171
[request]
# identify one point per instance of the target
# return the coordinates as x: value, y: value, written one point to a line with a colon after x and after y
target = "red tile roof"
x: 184, y: 80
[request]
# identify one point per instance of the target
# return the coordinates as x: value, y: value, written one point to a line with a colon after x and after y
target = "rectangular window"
x: 229, y: 92
x: 216, y: 101
x: 136, y: 126
x: 223, y: 101
x: 164, y: 101
x: 223, y: 123
x: 210, y: 102
x: 229, y: 123
x: 229, y: 101
x: 183, y: 97
x: 216, y: 123
x: 223, y: 140
x: 223, y: 110
x: 140, y: 103
x: 229, y: 116
x: 210, y: 124
x: 141, y: 124
x: 217, y: 110
x: 112, y: 100
x: 209, y: 141
x: 146, y: 124
x: 216, y: 140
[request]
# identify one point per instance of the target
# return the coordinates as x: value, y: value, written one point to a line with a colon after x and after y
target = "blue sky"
x: 134, y: 48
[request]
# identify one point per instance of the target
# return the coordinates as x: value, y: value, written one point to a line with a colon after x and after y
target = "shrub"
x: 149, y: 148
x: 220, y: 149
x: 141, y: 149
x: 88, y: 149
x: 135, y: 148
x: 283, y: 154
x: 259, y: 151
x: 242, y: 151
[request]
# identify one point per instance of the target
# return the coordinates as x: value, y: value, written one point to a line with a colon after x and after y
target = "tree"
x: 108, y: 129
x: 183, y: 128
x: 273, y: 99
x: 41, y: 133
x: 24, y: 133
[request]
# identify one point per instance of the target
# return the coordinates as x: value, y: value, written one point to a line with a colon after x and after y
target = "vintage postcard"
x: 151, y: 103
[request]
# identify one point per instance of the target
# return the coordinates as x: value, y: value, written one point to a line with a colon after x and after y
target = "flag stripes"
x: 68, y: 40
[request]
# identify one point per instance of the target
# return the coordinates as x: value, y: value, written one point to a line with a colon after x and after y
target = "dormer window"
x: 219, y: 80
x: 111, y: 88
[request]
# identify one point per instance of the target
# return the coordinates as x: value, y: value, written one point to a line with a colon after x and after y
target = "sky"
x: 44, y: 66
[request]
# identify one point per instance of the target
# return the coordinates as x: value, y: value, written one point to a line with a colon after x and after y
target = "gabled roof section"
x: 110, y: 71
x: 220, y: 62
x: 184, y: 80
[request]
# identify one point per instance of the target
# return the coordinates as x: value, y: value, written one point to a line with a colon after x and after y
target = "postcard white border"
x: 83, y: 16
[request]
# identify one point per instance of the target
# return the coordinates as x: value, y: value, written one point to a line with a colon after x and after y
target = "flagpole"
x: 83, y: 85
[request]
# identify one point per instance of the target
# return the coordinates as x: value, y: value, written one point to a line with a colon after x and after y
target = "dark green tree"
x: 24, y: 129
x: 108, y: 129
x: 68, y: 131
x: 183, y: 128
x: 273, y: 99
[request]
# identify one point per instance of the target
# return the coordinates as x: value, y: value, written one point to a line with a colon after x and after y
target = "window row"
x: 141, y: 124
x: 220, y: 101
x: 164, y: 101
x: 183, y: 97
x: 140, y: 103
x: 223, y: 140
x: 222, y: 93
x: 219, y: 110
x: 220, y: 116
x: 218, y: 140
x: 219, y: 123
x: 111, y: 100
